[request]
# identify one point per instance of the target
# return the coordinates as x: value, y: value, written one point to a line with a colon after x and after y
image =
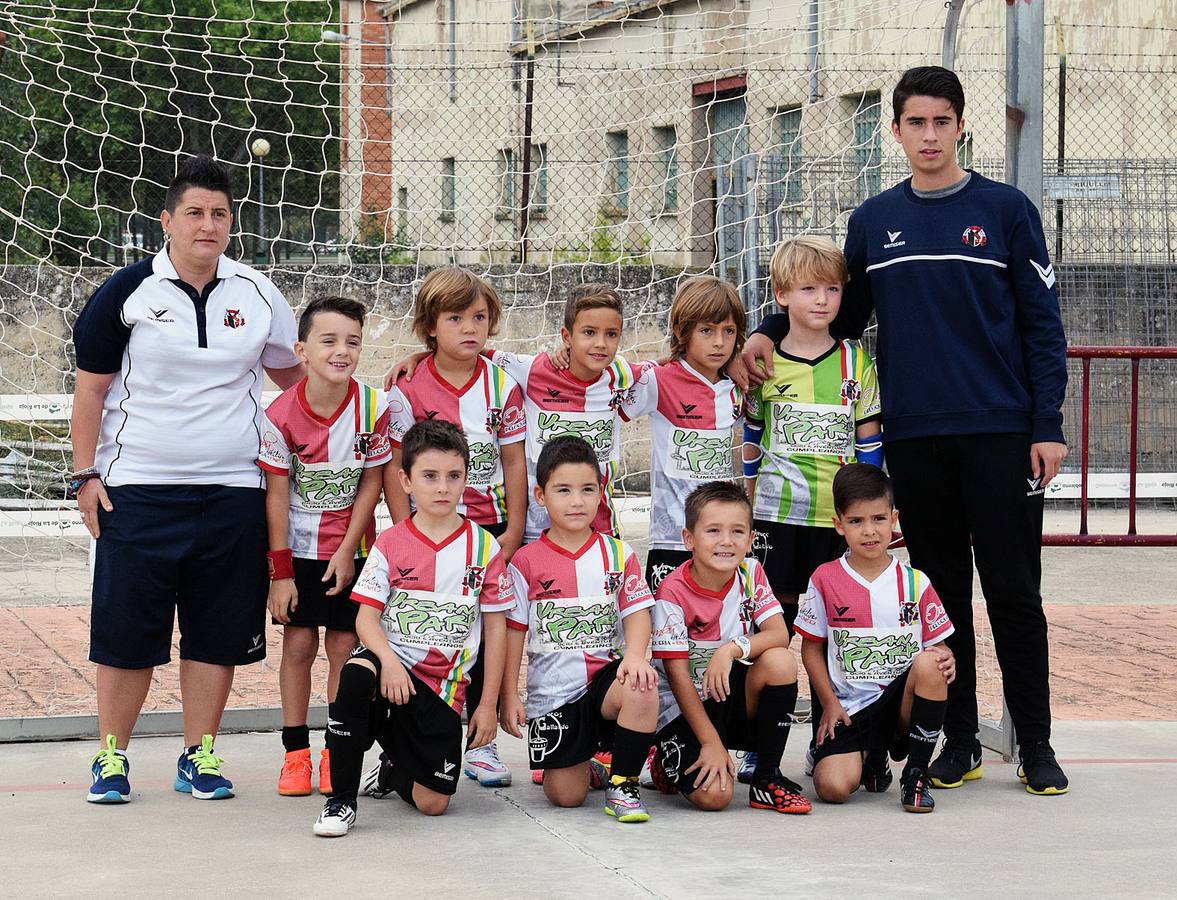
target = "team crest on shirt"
x: 613, y: 582
x: 234, y: 319
x: 909, y: 611
x: 494, y: 419
x: 363, y: 442
x: 851, y: 390
x: 974, y: 236
x: 621, y: 398
x: 474, y: 576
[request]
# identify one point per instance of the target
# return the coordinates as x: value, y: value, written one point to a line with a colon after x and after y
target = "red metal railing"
x: 1131, y: 539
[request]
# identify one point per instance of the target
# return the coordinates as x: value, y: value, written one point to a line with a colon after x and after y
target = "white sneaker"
x: 335, y: 819
x: 484, y: 766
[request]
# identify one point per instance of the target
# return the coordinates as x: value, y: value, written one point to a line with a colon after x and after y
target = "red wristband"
x: 280, y: 564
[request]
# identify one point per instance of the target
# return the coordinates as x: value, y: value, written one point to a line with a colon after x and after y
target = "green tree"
x: 101, y: 97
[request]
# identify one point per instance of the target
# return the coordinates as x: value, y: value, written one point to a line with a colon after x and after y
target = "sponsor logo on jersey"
x: 700, y: 456
x: 796, y: 430
x: 935, y: 615
x: 439, y: 622
x: 157, y: 315
x: 484, y: 463
x: 598, y: 433
x: 326, y: 487
x: 874, y: 657
x: 893, y: 240
x: 974, y: 236
x: 234, y: 319
x: 571, y: 625
x: 698, y: 658
x: 760, y: 541
x: 635, y: 587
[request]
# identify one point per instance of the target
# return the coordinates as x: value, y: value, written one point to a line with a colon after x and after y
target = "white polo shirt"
x: 185, y: 404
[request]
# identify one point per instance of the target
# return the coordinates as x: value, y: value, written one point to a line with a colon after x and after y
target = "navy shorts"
x: 199, y: 550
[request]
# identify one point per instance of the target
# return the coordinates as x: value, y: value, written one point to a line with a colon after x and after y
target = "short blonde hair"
x: 704, y: 299
x: 452, y: 289
x: 807, y: 259
x: 590, y: 295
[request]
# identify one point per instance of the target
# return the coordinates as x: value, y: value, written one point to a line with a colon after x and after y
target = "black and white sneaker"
x: 377, y: 781
x: 916, y: 791
x: 959, y: 761
x: 338, y: 815
x: 1039, y: 771
x: 876, y: 772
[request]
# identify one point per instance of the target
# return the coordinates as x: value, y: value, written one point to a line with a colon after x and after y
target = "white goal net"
x: 540, y: 143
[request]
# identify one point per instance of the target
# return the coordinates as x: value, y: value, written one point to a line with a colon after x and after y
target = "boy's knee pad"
x: 357, y: 682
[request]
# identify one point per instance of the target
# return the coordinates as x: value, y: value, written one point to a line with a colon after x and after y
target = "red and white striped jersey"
x: 874, y: 628
x: 692, y: 622
x: 431, y: 596
x: 324, y: 459
x: 572, y: 605
x: 556, y: 403
x: 691, y: 439
x: 488, y: 409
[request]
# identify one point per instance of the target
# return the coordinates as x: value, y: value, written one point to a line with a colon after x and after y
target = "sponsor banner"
x: 581, y: 624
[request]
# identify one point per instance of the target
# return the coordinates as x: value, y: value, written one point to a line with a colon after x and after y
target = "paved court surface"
x: 1113, y: 835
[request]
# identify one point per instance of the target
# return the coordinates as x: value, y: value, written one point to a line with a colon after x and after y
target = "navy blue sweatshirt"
x: 970, y: 338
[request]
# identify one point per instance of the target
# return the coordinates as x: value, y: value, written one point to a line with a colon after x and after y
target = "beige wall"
x: 636, y: 75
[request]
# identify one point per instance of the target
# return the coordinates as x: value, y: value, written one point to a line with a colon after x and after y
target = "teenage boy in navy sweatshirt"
x: 972, y: 360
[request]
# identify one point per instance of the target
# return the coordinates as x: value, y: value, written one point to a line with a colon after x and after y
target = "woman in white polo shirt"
x: 170, y: 353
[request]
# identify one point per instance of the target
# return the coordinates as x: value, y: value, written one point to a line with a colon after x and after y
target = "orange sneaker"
x: 295, y: 780
x: 325, y: 773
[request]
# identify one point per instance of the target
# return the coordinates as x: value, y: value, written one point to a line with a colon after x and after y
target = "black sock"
x: 348, y: 729
x: 296, y: 737
x: 927, y: 718
x: 773, y: 720
x: 630, y: 749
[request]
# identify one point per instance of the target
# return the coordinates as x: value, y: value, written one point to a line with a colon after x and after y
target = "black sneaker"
x: 916, y: 791
x: 1039, y: 771
x: 959, y: 761
x: 377, y: 781
x: 876, y: 772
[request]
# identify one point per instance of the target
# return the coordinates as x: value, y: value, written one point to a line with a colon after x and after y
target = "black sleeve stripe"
x: 101, y: 332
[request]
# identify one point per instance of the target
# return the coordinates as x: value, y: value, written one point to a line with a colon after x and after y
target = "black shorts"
x: 874, y: 727
x: 678, y: 747
x: 660, y: 563
x: 424, y: 735
x: 573, y: 734
x: 790, y: 553
x: 315, y: 608
x: 199, y: 550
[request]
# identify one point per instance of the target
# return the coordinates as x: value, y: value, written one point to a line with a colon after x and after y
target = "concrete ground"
x: 1113, y: 835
